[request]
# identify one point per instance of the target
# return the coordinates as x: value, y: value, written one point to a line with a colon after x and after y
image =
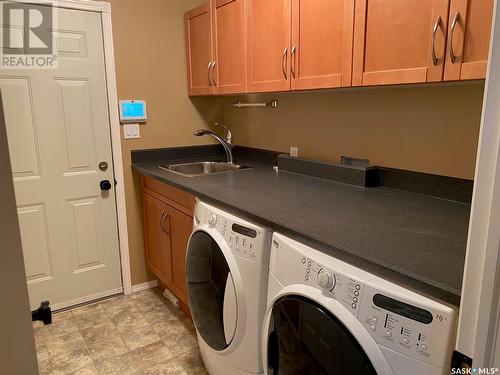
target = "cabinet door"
x: 229, y: 34
x: 156, y: 238
x: 399, y: 41
x: 468, y: 39
x: 199, y: 50
x: 268, y: 38
x: 321, y: 54
x: 180, y: 228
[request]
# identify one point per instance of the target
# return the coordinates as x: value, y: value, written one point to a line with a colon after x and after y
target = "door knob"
x: 105, y: 185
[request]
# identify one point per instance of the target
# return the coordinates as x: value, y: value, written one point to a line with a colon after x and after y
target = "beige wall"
x: 431, y: 129
x: 150, y: 65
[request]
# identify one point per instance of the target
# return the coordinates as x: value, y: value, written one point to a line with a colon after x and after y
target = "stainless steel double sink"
x: 202, y: 168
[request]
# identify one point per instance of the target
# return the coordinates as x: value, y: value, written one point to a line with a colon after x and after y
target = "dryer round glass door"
x: 211, y: 291
x: 305, y: 338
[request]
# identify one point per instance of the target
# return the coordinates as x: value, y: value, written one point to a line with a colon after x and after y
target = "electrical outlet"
x: 131, y: 131
x: 294, y: 151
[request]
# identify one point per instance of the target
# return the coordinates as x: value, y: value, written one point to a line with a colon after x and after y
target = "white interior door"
x: 58, y: 133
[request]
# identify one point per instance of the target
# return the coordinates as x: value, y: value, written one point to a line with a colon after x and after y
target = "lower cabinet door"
x: 157, y: 238
x: 180, y: 228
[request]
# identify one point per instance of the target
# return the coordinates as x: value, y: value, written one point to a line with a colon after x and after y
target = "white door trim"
x: 478, y: 316
x: 114, y: 122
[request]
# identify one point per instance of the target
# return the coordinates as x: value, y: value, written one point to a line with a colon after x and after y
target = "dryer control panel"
x: 245, y: 239
x: 408, y: 323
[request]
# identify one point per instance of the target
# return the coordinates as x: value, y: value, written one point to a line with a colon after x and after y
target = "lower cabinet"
x: 157, y: 238
x: 168, y: 222
x: 181, y: 226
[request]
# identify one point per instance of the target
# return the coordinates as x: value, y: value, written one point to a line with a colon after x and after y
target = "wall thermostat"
x: 133, y: 111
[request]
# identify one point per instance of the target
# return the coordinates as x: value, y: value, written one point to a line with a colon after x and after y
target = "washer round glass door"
x: 211, y: 291
x: 305, y: 338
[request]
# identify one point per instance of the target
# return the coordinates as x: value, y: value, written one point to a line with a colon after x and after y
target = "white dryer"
x: 227, y: 265
x: 325, y: 316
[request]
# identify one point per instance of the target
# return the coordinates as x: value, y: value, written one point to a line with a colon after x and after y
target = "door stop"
x: 43, y: 313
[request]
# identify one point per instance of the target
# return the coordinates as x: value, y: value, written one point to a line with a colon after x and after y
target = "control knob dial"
x: 325, y: 279
x: 212, y: 219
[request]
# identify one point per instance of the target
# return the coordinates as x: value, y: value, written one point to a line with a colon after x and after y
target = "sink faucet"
x: 227, y: 143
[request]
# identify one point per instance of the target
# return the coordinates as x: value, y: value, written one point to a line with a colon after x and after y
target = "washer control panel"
x: 346, y: 289
x: 241, y: 244
x: 418, y: 327
x: 245, y: 239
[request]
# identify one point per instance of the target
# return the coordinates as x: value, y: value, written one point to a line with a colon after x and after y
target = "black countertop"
x: 411, y: 239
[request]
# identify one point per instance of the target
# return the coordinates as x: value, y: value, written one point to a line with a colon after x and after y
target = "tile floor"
x: 138, y: 334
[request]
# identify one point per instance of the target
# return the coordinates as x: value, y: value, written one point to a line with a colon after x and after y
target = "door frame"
x: 479, y: 310
x: 104, y: 9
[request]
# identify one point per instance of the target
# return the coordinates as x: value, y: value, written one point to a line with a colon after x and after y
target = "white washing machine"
x: 325, y: 316
x: 227, y: 265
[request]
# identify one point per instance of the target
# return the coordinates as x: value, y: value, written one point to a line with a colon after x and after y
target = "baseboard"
x: 143, y: 286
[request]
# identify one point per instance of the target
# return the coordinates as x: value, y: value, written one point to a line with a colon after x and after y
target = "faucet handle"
x: 229, y: 136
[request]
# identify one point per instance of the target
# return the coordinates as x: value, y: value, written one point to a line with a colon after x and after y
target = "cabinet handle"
x: 214, y: 82
x: 161, y: 221
x: 284, y: 62
x: 456, y: 19
x: 209, y: 70
x: 434, y: 30
x: 164, y: 226
x: 292, y: 59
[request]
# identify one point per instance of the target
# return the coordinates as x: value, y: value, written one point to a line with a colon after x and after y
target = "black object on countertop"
x: 415, y: 240
x: 451, y: 188
x: 347, y: 174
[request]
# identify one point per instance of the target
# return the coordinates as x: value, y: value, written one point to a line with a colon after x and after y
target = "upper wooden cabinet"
x: 399, y: 41
x: 321, y: 51
x: 229, y: 32
x: 215, y: 47
x: 199, y: 50
x: 299, y: 44
x: 244, y: 46
x: 268, y: 45
x: 468, y: 39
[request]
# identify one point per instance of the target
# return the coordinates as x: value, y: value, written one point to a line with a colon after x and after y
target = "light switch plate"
x: 294, y: 151
x: 131, y: 131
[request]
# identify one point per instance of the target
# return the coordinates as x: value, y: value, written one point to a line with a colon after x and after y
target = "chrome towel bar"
x: 240, y: 104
